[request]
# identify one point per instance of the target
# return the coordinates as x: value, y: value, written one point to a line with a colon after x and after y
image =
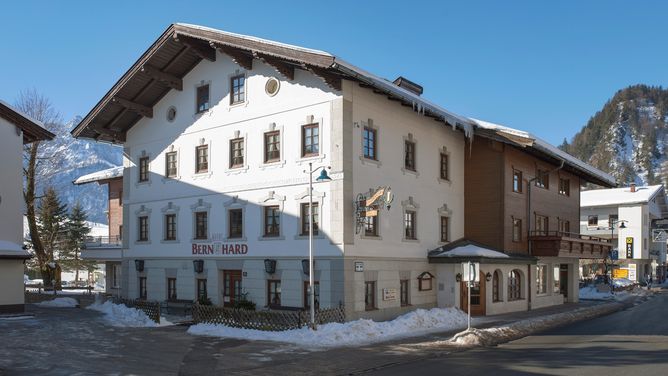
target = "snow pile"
x: 590, y: 293
x: 59, y: 303
x: 122, y: 316
x: 354, y: 333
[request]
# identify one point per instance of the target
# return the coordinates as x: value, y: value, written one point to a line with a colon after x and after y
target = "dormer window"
x: 203, y: 98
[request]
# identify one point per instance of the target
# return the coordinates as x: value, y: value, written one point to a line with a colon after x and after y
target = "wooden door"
x: 231, y: 287
x: 477, y: 297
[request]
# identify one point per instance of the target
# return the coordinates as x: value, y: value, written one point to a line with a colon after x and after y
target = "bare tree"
x: 38, y: 107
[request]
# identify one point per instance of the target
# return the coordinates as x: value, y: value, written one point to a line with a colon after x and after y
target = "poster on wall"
x: 632, y: 272
x: 629, y: 247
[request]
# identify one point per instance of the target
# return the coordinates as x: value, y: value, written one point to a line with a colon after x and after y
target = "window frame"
x: 370, y: 151
x: 143, y: 169
x: 445, y: 230
x: 541, y: 279
x: 143, y: 293
x: 315, y: 140
x: 410, y: 160
x: 201, y: 233
x: 404, y: 292
x: 276, y: 209
x: 410, y: 224
x: 277, y: 292
x: 538, y: 218
x: 201, y: 289
x: 371, y: 222
x: 174, y: 227
x: 202, y: 167
x: 171, y: 289
x: 239, y: 97
x: 514, y: 285
x: 143, y: 228
x: 277, y: 142
x: 175, y: 169
x: 425, y: 282
x: 233, y: 158
x: 592, y: 220
x: 565, y: 187
x: 202, y: 105
x: 444, y: 166
x: 230, y: 233
x: 542, y: 179
x: 517, y: 181
x: 303, y: 216
x: 370, y: 298
x: 517, y: 230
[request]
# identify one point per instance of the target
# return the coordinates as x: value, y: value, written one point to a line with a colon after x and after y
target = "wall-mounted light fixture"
x: 270, y: 266
x: 198, y: 266
x: 305, y: 266
x: 139, y: 265
x: 488, y: 276
x: 458, y: 277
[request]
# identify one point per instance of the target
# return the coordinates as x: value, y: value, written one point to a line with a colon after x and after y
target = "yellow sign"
x: 620, y: 273
x: 370, y: 213
x: 629, y: 240
x: 375, y: 197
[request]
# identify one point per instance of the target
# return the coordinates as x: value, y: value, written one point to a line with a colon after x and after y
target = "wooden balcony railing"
x: 566, y: 244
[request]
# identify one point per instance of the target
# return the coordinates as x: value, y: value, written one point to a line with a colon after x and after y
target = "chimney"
x: 633, y: 187
x: 408, y: 85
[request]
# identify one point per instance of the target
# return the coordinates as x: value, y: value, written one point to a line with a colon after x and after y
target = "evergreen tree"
x: 52, y: 218
x: 76, y: 230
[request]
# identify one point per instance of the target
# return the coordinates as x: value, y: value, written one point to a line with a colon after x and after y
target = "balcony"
x: 566, y: 244
x: 102, y: 248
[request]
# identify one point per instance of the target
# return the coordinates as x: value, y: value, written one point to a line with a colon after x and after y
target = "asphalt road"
x: 632, y: 342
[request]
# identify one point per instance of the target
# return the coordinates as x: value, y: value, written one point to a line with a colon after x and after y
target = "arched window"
x: 496, y: 286
x: 514, y: 285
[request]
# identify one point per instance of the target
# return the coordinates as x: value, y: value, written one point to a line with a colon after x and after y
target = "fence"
x: 150, y: 308
x: 264, y: 320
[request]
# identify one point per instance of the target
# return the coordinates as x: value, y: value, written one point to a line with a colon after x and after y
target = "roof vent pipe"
x: 633, y: 187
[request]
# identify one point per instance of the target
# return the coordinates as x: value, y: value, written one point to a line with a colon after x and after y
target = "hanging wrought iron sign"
x: 369, y: 204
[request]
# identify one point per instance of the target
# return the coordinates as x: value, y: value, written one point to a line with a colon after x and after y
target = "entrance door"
x: 477, y: 297
x: 231, y: 287
x: 563, y: 281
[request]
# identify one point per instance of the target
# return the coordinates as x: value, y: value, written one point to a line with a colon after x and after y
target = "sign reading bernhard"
x: 219, y: 249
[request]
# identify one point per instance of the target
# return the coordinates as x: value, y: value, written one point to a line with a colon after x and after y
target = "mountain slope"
x: 628, y: 137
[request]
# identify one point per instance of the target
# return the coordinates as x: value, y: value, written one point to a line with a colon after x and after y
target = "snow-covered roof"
x: 619, y: 196
x: 471, y: 250
x: 466, y: 250
x: 12, y: 250
x: 110, y: 173
x: 33, y: 130
x: 529, y: 140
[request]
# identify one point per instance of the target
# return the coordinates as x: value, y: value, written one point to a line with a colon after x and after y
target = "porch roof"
x: 464, y: 250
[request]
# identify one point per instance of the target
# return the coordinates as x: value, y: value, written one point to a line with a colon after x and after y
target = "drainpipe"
x: 529, y: 183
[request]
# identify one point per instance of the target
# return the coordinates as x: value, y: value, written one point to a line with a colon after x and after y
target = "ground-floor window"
x: 556, y: 283
x: 514, y: 285
x: 115, y: 275
x: 274, y: 293
x: 496, y: 284
x: 403, y: 292
x: 316, y: 291
x: 142, y: 287
x: 370, y: 295
x: 201, y: 289
x: 171, y: 288
x: 541, y: 279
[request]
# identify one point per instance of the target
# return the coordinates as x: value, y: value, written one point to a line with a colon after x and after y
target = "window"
x: 556, y: 283
x: 273, y: 293
x: 142, y: 288
x: 592, y: 220
x: 316, y: 292
x: 170, y: 226
x: 496, y: 286
x: 236, y: 223
x: 238, y: 89
x: 272, y: 222
x: 170, y: 164
x: 120, y: 232
x: 425, y: 281
x: 202, y: 158
x: 542, y: 224
x: 517, y: 230
x: 445, y: 171
x: 371, y: 226
x: 201, y: 289
x: 409, y: 224
x: 120, y: 198
x: 542, y: 179
x: 613, y: 219
x: 370, y: 295
x: 143, y: 228
x: 445, y: 229
x: 370, y: 143
x: 310, y: 140
x: 115, y: 275
x: 236, y: 152
x: 514, y: 285
x: 201, y: 225
x: 564, y: 187
x: 272, y: 146
x: 305, y: 218
x: 409, y: 155
x: 541, y: 279
x: 517, y: 181
x: 403, y: 292
x: 171, y: 288
x: 564, y: 226
x: 202, y: 98
x: 143, y: 169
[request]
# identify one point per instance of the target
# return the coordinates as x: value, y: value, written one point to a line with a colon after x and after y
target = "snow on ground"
x: 59, y: 303
x: 61, y: 292
x: 353, y: 333
x: 123, y: 316
x: 590, y: 293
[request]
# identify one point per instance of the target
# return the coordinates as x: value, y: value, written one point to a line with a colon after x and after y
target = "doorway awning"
x: 465, y: 250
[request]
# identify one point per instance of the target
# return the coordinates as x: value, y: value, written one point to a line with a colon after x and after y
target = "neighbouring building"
x: 629, y: 217
x: 219, y: 132
x: 16, y: 130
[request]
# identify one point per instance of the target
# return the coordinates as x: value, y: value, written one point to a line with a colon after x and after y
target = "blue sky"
x: 541, y: 66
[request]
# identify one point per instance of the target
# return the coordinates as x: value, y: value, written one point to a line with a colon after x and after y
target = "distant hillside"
x: 628, y: 137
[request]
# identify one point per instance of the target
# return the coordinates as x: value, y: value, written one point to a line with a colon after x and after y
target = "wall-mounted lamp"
x: 270, y: 266
x: 488, y: 276
x: 305, y: 266
x: 198, y: 266
x: 458, y: 277
x: 139, y: 265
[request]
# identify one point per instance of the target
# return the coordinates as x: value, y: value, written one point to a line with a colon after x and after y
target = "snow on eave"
x: 471, y: 250
x: 619, y: 196
x: 23, y: 114
x: 12, y: 250
x: 420, y: 103
x: 110, y: 173
x: 547, y: 148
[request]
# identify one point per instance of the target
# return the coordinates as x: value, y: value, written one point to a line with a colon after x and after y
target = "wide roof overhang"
x: 33, y: 130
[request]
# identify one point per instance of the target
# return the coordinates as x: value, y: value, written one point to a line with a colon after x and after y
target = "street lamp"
x: 622, y: 225
x: 323, y: 177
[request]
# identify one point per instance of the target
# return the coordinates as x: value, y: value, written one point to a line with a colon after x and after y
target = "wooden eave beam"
x: 198, y: 47
x: 287, y: 70
x: 120, y: 136
x: 330, y: 79
x: 238, y: 57
x: 138, y: 108
x: 170, y: 80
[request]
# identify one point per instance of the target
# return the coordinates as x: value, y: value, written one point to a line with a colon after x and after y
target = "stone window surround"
x: 318, y: 158
x: 378, y: 235
x: 196, y: 86
x: 444, y: 211
x: 281, y: 160
x: 369, y: 124
x: 143, y: 211
x: 209, y: 171
x: 236, y: 170
x: 272, y: 199
x: 409, y: 205
x: 444, y: 150
x: 302, y: 198
x: 410, y: 138
x: 201, y: 206
x: 170, y: 208
x: 235, y: 203
x: 143, y: 154
x: 170, y: 149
